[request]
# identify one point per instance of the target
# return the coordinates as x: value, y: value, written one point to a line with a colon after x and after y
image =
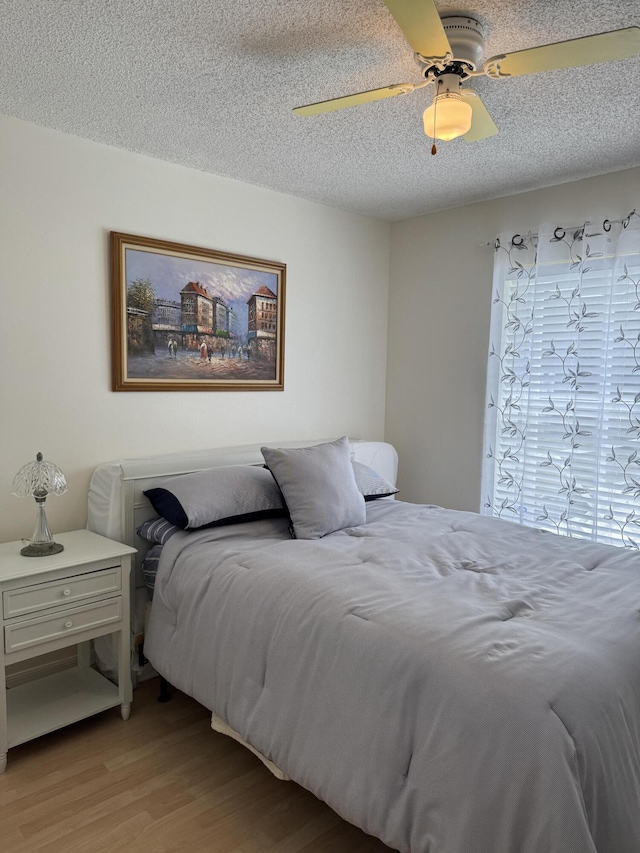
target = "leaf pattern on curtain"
x: 514, y: 369
x: 562, y: 432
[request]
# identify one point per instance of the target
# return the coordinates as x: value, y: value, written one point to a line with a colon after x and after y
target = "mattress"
x: 448, y: 682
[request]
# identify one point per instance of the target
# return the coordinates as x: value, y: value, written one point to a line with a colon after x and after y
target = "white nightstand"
x: 49, y: 603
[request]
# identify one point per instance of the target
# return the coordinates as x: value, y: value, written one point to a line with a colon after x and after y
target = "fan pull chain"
x: 434, y: 149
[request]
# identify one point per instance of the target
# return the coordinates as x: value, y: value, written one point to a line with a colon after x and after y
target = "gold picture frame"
x: 185, y: 318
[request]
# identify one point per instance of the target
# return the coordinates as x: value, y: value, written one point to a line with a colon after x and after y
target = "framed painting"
x: 192, y: 319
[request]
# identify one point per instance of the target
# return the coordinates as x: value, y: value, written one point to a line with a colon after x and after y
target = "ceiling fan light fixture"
x: 452, y: 118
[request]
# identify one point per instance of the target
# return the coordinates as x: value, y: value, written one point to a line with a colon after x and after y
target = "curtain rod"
x: 606, y: 222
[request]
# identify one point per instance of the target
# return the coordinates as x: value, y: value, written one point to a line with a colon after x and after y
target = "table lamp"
x: 40, y: 478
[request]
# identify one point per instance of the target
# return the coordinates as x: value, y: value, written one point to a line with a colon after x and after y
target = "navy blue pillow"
x: 217, y: 496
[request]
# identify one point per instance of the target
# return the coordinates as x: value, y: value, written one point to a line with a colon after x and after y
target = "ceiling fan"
x: 449, y: 51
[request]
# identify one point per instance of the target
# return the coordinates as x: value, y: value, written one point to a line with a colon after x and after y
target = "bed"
x: 448, y: 682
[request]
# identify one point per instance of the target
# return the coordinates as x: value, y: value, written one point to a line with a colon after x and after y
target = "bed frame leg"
x: 165, y: 690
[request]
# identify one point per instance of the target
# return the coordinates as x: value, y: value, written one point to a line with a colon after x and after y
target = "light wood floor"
x: 163, y: 782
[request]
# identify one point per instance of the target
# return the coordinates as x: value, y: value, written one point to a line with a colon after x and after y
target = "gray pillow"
x: 371, y: 484
x: 319, y: 487
x: 217, y: 496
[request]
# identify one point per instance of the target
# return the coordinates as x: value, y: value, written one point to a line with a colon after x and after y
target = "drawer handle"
x: 66, y: 592
x: 68, y: 624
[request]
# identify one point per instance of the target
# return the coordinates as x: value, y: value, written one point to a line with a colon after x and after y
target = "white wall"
x: 439, y: 308
x: 59, y: 198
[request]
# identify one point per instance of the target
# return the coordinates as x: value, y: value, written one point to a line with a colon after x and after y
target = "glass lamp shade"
x: 40, y: 478
x: 452, y: 117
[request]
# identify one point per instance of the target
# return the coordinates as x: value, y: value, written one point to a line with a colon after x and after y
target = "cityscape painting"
x: 190, y: 319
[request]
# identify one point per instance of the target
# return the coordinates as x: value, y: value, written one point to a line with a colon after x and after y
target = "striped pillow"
x: 150, y: 567
x: 157, y: 530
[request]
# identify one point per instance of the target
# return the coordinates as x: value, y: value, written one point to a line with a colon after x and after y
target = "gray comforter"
x: 449, y: 683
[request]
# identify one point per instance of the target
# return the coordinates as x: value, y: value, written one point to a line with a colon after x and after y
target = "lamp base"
x: 44, y: 549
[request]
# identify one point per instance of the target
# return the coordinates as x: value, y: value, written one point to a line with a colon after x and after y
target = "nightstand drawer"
x: 62, y: 623
x: 28, y: 599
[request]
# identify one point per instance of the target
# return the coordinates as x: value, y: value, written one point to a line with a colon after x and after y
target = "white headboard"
x: 117, y: 505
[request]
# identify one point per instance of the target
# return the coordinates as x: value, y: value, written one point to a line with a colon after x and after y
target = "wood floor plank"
x: 162, y: 782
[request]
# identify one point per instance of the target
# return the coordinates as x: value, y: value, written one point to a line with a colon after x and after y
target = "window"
x: 562, y: 432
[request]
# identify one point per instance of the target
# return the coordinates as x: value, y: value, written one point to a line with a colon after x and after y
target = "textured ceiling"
x: 211, y: 83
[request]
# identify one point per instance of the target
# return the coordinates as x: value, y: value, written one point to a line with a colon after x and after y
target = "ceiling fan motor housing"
x: 466, y: 38
x: 448, y: 83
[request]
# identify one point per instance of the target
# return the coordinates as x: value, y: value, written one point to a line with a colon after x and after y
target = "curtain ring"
x: 625, y: 222
x: 559, y: 233
x: 496, y: 245
x: 606, y: 225
x: 517, y: 240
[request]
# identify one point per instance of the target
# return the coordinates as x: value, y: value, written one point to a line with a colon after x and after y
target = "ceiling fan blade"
x: 482, y: 125
x: 420, y: 22
x: 354, y: 100
x: 605, y: 47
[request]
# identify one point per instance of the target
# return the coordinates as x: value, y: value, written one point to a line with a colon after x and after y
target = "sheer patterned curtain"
x: 562, y: 429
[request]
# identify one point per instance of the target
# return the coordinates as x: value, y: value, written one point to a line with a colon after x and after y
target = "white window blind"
x: 562, y: 432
